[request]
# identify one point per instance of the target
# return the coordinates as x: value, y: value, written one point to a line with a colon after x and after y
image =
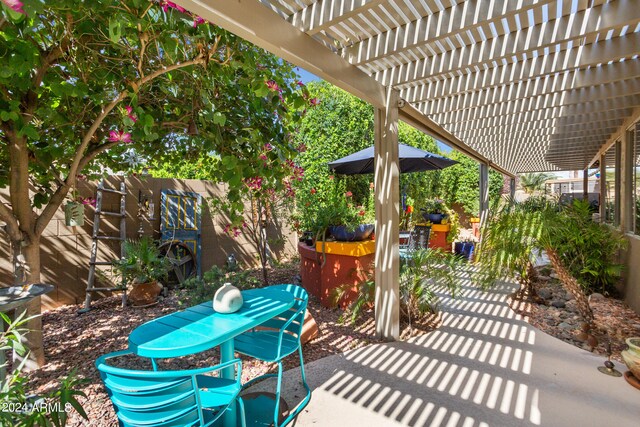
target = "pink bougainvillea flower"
x: 272, y: 85
x: 120, y: 136
x: 88, y: 201
x: 15, y: 5
x: 130, y: 114
x: 299, y: 83
x: 197, y: 21
x: 268, y: 147
x: 314, y: 101
x: 263, y: 157
x: 166, y: 5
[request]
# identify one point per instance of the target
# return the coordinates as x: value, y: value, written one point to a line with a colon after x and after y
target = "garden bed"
x: 555, y: 313
x: 76, y: 341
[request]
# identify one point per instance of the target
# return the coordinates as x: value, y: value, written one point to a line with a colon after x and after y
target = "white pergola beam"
x: 556, y: 33
x: 547, y: 67
x: 456, y: 20
x: 631, y: 119
x: 536, y: 116
x: 534, y: 108
x: 323, y: 14
x: 553, y: 89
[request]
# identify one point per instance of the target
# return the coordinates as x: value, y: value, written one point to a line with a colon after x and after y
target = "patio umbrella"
x: 411, y: 160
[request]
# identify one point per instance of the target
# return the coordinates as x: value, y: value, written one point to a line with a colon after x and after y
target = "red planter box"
x: 346, y: 262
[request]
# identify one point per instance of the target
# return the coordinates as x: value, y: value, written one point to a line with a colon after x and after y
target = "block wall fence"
x: 65, y: 250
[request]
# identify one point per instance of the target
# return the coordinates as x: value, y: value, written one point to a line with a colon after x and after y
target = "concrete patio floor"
x: 485, y: 366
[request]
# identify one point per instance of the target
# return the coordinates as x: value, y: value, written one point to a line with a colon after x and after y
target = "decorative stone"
x: 228, y: 299
x: 565, y: 325
x: 596, y: 296
x: 544, y: 293
x: 558, y: 303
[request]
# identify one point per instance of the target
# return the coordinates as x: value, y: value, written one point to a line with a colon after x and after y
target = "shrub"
x: 33, y: 410
x: 198, y: 290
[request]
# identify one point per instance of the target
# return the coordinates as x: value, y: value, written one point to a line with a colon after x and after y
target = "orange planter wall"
x: 346, y: 262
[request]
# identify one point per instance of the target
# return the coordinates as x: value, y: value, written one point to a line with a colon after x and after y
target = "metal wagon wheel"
x: 184, y: 264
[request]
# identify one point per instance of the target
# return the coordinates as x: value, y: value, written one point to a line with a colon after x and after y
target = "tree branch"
x: 82, y: 159
x: 12, y: 228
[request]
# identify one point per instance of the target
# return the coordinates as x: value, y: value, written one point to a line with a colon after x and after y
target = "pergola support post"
x: 627, y: 164
x: 616, y: 184
x: 603, y: 187
x: 484, y: 191
x: 585, y: 184
x: 387, y: 190
x: 512, y: 187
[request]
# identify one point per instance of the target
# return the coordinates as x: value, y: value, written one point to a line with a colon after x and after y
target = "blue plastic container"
x: 342, y: 234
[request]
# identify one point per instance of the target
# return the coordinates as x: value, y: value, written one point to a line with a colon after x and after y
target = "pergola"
x: 518, y: 85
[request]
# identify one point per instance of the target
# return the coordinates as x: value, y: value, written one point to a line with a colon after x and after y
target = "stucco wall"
x: 632, y: 273
x: 65, y: 250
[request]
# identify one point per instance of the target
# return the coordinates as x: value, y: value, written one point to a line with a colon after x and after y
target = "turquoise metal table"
x: 199, y: 328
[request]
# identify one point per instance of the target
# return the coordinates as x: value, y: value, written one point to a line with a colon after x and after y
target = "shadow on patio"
x: 485, y: 366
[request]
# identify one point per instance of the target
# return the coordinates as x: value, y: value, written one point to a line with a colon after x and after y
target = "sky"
x: 307, y: 77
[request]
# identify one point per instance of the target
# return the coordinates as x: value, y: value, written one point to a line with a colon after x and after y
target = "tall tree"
x: 342, y: 124
x: 82, y: 83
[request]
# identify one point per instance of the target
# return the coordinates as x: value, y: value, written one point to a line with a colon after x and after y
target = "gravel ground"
x: 73, y: 341
x: 555, y: 313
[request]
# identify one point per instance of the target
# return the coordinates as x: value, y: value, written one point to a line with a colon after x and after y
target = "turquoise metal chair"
x: 276, y: 339
x: 170, y: 398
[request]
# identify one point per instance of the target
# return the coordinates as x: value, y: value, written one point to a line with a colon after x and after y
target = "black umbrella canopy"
x: 411, y: 160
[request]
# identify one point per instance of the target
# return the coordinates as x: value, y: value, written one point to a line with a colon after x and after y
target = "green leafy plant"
x: 426, y: 271
x: 533, y: 182
x: 434, y: 206
x: 333, y: 204
x: 142, y: 262
x: 23, y: 410
x: 197, y: 290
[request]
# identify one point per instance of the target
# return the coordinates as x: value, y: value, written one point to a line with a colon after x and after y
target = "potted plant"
x: 434, y: 211
x: 142, y: 267
x: 74, y: 209
x: 333, y: 211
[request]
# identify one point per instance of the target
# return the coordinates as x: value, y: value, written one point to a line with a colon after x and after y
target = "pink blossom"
x: 130, y: 114
x: 254, y: 183
x: 268, y: 147
x: 197, y: 21
x: 314, y: 101
x: 120, y: 136
x: 166, y: 5
x: 15, y: 5
x: 348, y: 194
x: 272, y: 85
x: 299, y: 83
x: 88, y: 201
x: 263, y: 157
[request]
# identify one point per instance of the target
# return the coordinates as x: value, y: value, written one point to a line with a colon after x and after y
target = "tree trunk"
x: 26, y: 267
x: 571, y: 284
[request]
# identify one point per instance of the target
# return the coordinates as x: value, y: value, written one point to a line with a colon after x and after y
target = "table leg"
x: 227, y: 354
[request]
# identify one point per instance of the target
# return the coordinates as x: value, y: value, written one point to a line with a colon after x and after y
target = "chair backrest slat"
x: 158, y: 398
x: 297, y: 311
